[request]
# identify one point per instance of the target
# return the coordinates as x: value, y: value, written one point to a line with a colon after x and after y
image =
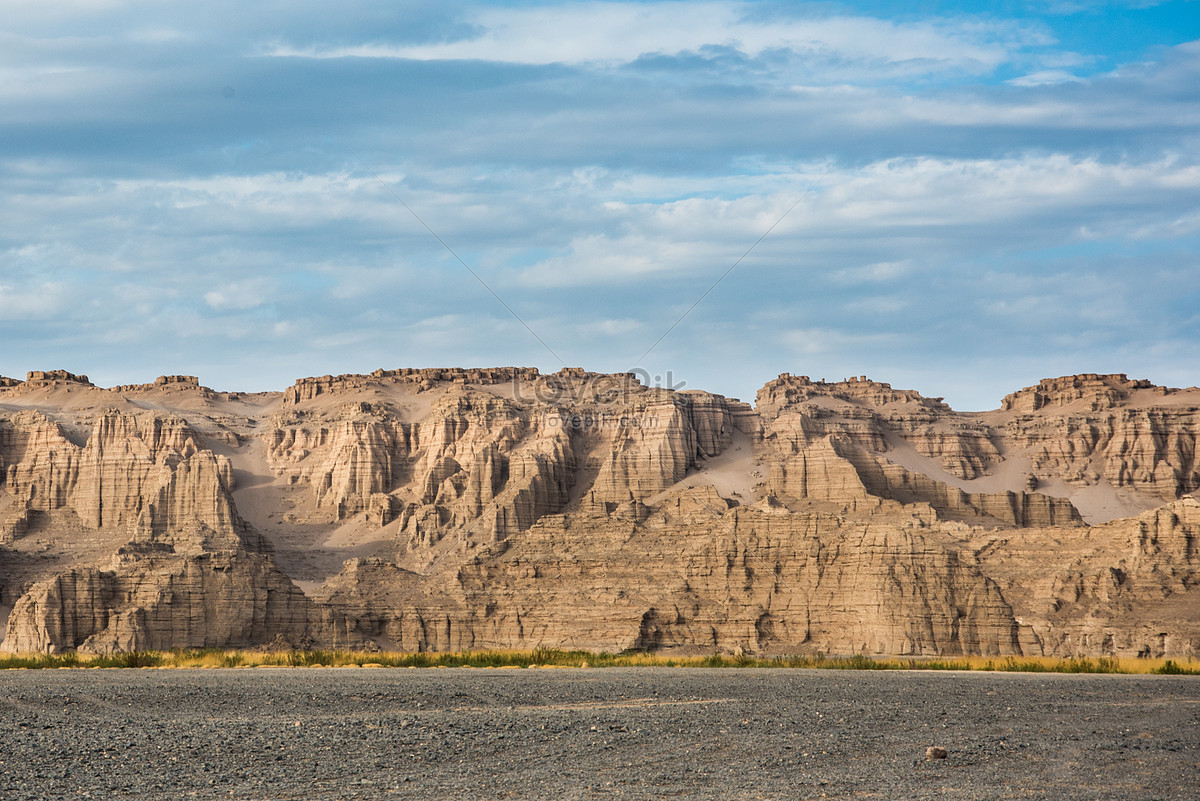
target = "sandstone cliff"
x: 460, y: 508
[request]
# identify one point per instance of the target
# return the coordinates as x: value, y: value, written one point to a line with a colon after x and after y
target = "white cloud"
x: 599, y: 258
x: 910, y: 209
x: 241, y: 295
x: 1174, y: 226
x: 1094, y: 6
x: 41, y: 301
x: 1046, y: 78
x: 142, y: 208
x: 623, y: 32
x: 880, y: 272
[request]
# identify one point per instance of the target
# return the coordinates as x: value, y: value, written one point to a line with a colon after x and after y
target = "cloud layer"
x: 958, y: 202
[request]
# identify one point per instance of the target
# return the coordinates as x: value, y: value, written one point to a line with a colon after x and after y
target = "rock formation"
x: 501, y: 508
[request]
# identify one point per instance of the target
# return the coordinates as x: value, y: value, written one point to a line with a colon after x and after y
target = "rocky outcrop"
x: 788, y: 390
x: 152, y: 599
x: 440, y: 509
x: 873, y: 415
x: 650, y: 444
x: 1149, y: 450
x: 1093, y: 428
x: 885, y: 480
x: 477, y: 462
x: 1088, y: 391
x: 37, y: 377
x: 40, y: 463
x: 701, y: 576
x: 1126, y: 588
x: 15, y: 523
x: 484, y: 465
x: 143, y: 471
x: 359, y: 458
x: 308, y: 389
x: 168, y: 384
x: 193, y: 572
x: 835, y: 469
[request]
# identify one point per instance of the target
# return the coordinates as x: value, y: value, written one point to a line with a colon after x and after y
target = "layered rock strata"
x: 501, y: 508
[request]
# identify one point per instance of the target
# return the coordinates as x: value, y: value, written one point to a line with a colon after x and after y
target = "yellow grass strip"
x: 548, y: 658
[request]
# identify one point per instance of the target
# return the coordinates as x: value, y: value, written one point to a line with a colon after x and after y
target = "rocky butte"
x: 501, y: 508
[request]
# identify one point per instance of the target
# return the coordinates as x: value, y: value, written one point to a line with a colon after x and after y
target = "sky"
x: 957, y: 198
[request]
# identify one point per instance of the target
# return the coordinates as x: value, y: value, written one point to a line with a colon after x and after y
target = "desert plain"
x: 355, y: 733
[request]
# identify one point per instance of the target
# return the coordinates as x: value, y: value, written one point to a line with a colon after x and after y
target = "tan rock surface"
x: 472, y: 508
x: 151, y: 599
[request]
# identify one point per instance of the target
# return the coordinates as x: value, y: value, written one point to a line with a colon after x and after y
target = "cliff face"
x: 147, y: 600
x: 699, y: 575
x: 1090, y: 429
x: 141, y: 473
x: 448, y: 509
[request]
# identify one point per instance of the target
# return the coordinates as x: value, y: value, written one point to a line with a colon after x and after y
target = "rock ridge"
x: 452, y: 508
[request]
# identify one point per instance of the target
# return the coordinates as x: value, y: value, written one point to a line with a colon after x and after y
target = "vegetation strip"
x: 222, y: 658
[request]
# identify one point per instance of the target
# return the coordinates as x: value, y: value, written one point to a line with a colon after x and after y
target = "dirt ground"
x: 354, y: 733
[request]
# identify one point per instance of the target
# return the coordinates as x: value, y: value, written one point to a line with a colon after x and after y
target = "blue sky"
x: 965, y: 197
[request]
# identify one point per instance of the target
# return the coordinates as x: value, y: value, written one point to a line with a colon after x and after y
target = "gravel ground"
x: 613, y: 733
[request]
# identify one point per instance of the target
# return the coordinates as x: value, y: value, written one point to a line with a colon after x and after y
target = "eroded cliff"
x: 457, y: 508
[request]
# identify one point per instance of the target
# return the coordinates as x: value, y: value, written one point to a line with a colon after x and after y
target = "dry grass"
x: 544, y: 658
